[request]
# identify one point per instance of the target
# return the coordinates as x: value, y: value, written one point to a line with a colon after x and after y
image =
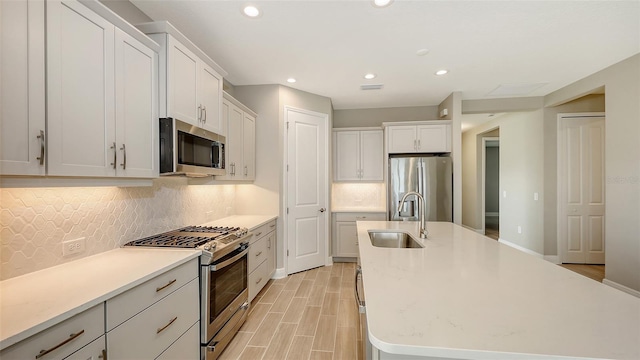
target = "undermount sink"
x: 393, y: 239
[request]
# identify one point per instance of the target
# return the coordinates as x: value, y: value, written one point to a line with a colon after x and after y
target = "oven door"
x: 224, y: 292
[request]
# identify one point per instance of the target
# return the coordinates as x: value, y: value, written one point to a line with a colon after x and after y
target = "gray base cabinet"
x: 345, y: 237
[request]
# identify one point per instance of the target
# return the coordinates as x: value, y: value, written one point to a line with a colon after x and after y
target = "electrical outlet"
x: 519, y: 229
x: 535, y: 196
x: 71, y: 247
x: 504, y: 194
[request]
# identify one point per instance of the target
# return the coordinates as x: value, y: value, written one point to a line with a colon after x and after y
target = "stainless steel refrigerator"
x: 431, y: 176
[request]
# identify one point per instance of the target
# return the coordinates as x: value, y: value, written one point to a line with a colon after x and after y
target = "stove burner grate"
x: 209, y: 229
x: 169, y: 240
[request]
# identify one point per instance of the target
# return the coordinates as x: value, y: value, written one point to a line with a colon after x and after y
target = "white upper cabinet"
x: 358, y: 155
x: 136, y: 108
x: 240, y: 146
x: 102, y: 97
x: 424, y: 137
x: 80, y: 75
x: 190, y: 82
x: 22, y: 88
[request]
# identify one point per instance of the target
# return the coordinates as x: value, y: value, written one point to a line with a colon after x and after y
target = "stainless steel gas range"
x: 224, y: 299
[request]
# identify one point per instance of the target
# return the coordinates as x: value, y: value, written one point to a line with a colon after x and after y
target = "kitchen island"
x: 465, y: 296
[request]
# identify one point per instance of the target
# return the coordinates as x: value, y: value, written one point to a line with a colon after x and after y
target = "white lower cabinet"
x: 149, y: 333
x: 184, y: 347
x: 261, y: 257
x: 345, y: 233
x: 144, y: 321
x: 96, y: 350
x: 63, y: 339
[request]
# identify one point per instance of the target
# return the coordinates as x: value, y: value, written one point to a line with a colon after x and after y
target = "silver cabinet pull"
x: 322, y: 210
x: 258, y: 234
x: 269, y: 243
x: 258, y: 281
x: 246, y: 170
x: 71, y: 338
x: 359, y: 302
x: 233, y: 168
x: 258, y: 254
x: 415, y: 146
x: 418, y: 144
x: 124, y: 160
x: 41, y: 137
x: 166, y: 326
x: 115, y: 155
x: 104, y: 355
x: 204, y: 111
x: 166, y: 286
x: 272, y: 226
x: 199, y: 112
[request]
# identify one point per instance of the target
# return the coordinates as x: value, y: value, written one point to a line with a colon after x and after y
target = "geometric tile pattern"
x: 35, y: 221
x: 361, y: 195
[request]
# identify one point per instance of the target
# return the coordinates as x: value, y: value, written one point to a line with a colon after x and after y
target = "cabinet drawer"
x: 187, y: 347
x: 96, y: 350
x: 257, y: 280
x: 257, y: 253
x: 129, y: 303
x: 263, y: 230
x: 360, y: 216
x: 88, y: 326
x: 148, y: 334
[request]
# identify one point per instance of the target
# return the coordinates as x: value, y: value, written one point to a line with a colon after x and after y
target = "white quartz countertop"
x: 33, y: 302
x: 248, y: 221
x: 466, y: 296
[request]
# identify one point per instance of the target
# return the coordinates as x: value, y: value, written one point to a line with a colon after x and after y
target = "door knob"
x: 323, y: 209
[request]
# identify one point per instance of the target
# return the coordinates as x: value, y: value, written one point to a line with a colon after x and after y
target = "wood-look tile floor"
x: 311, y: 315
x: 595, y: 272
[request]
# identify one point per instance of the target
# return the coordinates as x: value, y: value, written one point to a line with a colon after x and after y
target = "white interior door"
x: 582, y: 198
x: 306, y: 189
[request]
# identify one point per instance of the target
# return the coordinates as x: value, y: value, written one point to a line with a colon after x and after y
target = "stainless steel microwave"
x: 188, y: 150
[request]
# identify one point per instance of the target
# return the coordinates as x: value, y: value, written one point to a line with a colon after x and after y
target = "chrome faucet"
x: 423, y: 210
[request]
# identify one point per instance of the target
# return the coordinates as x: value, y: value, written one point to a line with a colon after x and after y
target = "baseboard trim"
x: 621, y: 287
x: 518, y: 247
x: 554, y: 259
x: 479, y: 231
x: 279, y: 274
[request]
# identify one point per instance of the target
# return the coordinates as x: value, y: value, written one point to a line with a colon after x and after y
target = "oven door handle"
x: 214, y: 267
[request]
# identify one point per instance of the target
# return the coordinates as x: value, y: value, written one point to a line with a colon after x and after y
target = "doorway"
x: 581, y: 196
x: 306, y: 189
x: 490, y: 204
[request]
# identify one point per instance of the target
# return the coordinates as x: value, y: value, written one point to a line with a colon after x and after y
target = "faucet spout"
x: 423, y: 211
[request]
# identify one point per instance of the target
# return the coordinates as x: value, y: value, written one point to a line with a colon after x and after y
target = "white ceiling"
x: 329, y: 45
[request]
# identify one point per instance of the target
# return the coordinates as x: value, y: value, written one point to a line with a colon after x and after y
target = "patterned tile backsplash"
x: 358, y: 195
x: 35, y: 221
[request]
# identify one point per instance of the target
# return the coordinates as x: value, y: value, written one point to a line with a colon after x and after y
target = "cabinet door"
x: 96, y: 350
x: 346, y: 239
x: 22, y: 88
x: 434, y: 138
x: 233, y: 147
x: 249, y: 147
x: 402, y: 139
x: 210, y: 94
x: 182, y: 83
x: 346, y: 155
x: 371, y: 155
x: 271, y: 253
x: 136, y: 107
x: 80, y: 104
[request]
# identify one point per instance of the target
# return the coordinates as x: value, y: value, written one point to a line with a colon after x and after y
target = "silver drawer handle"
x: 71, y: 338
x: 258, y: 254
x: 166, y: 286
x: 41, y: 137
x: 258, y: 281
x: 166, y: 326
x: 115, y: 155
x: 124, y: 162
x: 272, y: 226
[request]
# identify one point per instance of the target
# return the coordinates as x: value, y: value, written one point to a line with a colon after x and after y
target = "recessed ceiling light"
x: 382, y: 3
x: 370, y: 76
x: 442, y: 72
x: 251, y: 11
x: 291, y: 80
x: 422, y: 52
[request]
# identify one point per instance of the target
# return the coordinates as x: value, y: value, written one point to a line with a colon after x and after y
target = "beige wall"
x: 622, y: 155
x: 521, y: 164
x: 265, y: 195
x: 375, y: 117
